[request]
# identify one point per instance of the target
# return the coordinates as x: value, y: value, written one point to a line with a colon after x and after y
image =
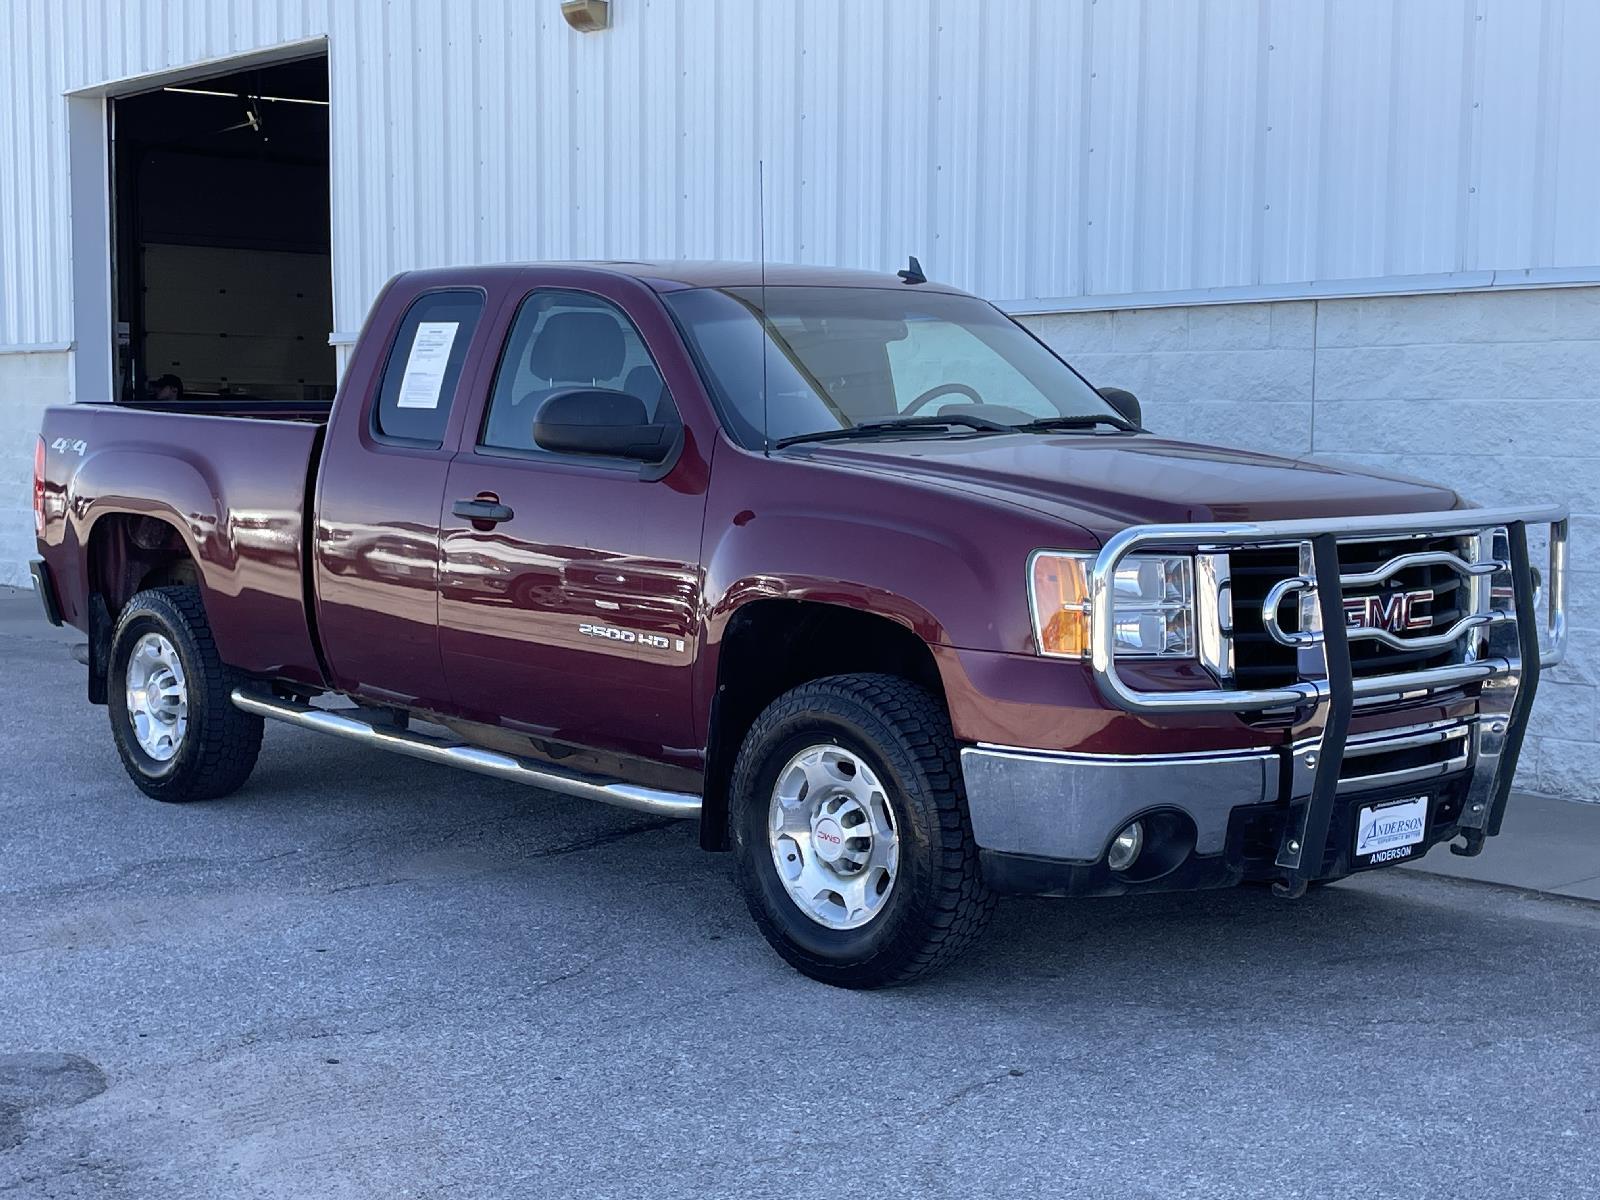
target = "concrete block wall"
x: 1495, y: 393
x: 29, y: 383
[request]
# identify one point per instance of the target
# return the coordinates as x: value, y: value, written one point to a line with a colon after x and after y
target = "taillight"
x: 38, y: 489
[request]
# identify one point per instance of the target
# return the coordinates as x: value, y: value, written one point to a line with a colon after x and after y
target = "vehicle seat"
x: 577, y: 349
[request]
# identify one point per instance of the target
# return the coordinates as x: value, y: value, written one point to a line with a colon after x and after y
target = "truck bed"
x: 233, y: 486
x: 315, y: 411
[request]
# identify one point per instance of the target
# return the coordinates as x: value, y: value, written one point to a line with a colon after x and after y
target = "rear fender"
x: 119, y: 482
x: 248, y: 561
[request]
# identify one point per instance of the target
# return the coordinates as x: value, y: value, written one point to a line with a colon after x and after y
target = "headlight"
x: 1153, y: 602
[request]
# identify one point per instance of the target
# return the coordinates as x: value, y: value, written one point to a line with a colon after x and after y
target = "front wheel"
x: 850, y: 829
x: 176, y: 728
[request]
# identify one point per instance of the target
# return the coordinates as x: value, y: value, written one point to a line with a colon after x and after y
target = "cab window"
x: 425, y: 361
x: 563, y: 340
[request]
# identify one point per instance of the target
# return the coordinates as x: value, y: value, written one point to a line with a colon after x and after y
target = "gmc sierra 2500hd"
x: 851, y: 568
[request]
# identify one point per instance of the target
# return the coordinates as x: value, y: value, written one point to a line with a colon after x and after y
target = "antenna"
x: 761, y: 224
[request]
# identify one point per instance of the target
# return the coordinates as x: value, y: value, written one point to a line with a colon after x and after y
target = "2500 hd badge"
x: 628, y: 637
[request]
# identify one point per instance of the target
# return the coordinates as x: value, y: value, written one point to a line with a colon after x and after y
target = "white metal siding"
x: 1038, y: 151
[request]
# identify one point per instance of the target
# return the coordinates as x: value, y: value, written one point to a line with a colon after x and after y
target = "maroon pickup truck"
x: 851, y: 568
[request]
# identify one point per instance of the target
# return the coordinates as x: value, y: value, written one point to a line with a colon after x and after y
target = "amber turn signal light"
x: 1061, y: 604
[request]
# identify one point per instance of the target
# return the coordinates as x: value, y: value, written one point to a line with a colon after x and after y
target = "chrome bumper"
x: 1068, y: 807
x: 1506, y: 666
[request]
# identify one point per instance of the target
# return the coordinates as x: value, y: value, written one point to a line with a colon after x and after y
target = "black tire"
x: 939, y: 903
x: 219, y: 747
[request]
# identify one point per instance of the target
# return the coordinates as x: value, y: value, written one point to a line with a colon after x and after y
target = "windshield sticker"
x: 430, y: 354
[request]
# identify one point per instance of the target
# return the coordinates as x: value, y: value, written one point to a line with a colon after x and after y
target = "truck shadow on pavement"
x: 1373, y: 944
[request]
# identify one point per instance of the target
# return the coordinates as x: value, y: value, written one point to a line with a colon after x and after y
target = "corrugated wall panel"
x: 1428, y: 104
x: 1358, y: 141
x: 1227, y: 143
x: 1039, y: 151
x: 1166, y: 170
x: 1115, y: 93
x: 1514, y: 52
x: 1573, y: 162
x: 1291, y: 123
x: 1059, y: 59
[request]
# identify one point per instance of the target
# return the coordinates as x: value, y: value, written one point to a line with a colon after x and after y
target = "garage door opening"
x: 221, y: 265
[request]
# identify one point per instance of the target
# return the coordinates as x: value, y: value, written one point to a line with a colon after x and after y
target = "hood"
x: 1106, y: 483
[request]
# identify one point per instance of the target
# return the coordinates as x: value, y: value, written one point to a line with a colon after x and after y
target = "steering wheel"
x: 937, y: 390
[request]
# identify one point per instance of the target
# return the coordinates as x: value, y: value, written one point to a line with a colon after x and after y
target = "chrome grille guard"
x: 1324, y: 697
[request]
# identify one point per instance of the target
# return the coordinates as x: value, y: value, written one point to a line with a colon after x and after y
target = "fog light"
x: 1125, y: 846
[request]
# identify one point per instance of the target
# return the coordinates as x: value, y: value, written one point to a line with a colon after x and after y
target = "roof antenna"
x: 761, y: 224
x: 913, y: 273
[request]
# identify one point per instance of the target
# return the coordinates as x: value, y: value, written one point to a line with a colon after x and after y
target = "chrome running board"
x: 471, y: 758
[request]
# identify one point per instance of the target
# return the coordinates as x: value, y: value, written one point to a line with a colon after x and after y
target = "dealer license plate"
x: 1391, y: 831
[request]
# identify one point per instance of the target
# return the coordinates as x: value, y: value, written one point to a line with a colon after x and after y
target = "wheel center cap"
x: 152, y: 696
x: 827, y: 835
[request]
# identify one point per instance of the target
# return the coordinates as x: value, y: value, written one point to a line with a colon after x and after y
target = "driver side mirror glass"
x: 1124, y: 401
x: 601, y: 421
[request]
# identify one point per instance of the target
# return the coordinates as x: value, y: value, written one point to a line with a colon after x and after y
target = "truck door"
x: 379, y: 493
x: 569, y: 589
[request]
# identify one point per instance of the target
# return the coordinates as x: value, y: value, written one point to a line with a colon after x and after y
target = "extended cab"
x: 851, y: 568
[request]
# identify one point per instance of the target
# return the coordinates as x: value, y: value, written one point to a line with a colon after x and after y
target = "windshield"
x: 843, y: 357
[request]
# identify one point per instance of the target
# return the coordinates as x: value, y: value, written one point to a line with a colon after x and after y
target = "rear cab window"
x: 424, y: 366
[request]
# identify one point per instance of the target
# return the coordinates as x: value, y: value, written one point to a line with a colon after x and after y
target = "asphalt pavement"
x: 367, y: 977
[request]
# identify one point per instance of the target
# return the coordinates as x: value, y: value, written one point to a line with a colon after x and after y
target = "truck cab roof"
x: 672, y: 275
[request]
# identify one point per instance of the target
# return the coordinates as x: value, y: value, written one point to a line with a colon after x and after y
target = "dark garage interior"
x: 222, y: 269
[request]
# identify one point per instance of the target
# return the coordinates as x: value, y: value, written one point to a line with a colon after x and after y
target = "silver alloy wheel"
x: 833, y: 837
x: 158, y: 697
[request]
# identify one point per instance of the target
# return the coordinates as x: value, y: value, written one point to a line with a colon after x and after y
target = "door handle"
x: 487, y: 510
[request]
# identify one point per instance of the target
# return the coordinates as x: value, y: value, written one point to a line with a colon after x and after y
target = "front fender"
x: 949, y: 566
x: 867, y: 564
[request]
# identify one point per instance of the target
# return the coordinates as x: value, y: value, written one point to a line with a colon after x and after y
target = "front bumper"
x: 1070, y: 806
x: 1040, y: 816
x: 1044, y: 821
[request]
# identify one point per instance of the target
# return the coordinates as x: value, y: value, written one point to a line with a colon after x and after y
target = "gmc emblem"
x: 1395, y: 613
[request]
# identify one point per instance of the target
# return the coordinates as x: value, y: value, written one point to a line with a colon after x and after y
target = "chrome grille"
x: 1400, y: 756
x: 1260, y: 661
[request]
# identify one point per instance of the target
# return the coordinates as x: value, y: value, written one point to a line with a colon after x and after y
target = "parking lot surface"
x: 367, y: 977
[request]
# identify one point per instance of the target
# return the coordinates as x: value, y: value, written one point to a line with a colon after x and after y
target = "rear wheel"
x: 850, y: 829
x: 176, y: 728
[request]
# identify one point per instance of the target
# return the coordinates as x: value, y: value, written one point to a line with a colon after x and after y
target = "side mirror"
x: 1124, y: 401
x: 601, y: 421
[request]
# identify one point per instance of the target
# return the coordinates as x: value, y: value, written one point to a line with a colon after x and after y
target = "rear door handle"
x: 488, y: 511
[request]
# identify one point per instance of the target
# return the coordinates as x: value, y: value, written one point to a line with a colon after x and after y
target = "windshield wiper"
x: 871, y: 428
x: 1084, y: 422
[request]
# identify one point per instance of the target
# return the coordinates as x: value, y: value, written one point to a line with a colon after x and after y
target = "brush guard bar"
x: 1506, y: 663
